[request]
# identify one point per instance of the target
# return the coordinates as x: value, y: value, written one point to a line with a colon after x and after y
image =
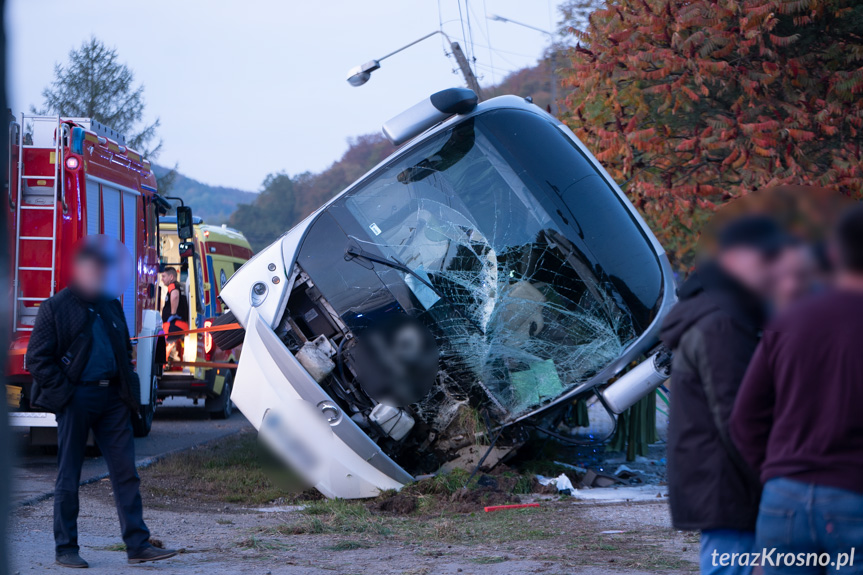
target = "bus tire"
x: 226, y: 340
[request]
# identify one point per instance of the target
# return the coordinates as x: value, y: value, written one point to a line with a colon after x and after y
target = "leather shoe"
x: 152, y: 554
x: 72, y: 560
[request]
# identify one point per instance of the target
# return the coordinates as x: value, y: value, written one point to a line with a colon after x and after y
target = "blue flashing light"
x: 77, y: 140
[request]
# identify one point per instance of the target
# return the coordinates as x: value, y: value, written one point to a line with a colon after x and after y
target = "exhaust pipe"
x: 636, y: 383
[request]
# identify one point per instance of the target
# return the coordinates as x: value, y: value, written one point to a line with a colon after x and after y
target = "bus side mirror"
x: 184, y: 222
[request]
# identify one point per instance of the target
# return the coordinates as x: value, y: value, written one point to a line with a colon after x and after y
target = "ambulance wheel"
x: 143, y: 422
x: 225, y: 408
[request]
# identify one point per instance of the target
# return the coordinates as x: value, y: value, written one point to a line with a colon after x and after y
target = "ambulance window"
x: 199, y: 281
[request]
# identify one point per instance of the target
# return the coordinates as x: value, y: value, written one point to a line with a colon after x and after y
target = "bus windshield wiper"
x: 353, y: 251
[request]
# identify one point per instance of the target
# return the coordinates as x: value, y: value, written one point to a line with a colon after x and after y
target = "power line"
x: 469, y: 30
x: 499, y: 51
x: 488, y: 39
x: 461, y: 19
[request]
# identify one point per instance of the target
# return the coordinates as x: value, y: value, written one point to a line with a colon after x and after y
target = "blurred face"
x: 101, y: 268
x: 795, y: 274
x: 89, y: 277
x: 167, y: 278
x: 750, y: 267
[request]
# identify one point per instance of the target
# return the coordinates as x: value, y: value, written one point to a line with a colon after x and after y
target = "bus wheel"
x: 223, y: 406
x: 227, y: 340
x: 143, y: 421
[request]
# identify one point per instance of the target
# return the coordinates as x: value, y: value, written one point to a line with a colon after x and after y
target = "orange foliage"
x: 696, y: 102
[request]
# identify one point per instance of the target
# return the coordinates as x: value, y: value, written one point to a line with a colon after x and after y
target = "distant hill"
x: 534, y: 81
x: 285, y: 200
x: 213, y: 203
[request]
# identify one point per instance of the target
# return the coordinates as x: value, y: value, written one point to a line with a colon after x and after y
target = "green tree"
x: 271, y: 214
x: 95, y: 84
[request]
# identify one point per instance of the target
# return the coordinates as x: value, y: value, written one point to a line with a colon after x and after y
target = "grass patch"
x: 255, y: 543
x: 629, y: 551
x: 349, y: 545
x: 340, y: 516
x: 234, y: 470
x: 113, y: 547
x: 488, y: 560
x: 484, y: 528
x: 442, y: 483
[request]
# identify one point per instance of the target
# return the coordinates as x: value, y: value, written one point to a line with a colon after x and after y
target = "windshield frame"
x: 641, y: 344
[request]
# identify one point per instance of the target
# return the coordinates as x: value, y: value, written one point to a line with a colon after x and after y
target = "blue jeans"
x: 717, y: 545
x: 102, y: 410
x: 819, y: 525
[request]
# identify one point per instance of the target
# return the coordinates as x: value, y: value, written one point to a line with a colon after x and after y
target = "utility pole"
x: 466, y: 70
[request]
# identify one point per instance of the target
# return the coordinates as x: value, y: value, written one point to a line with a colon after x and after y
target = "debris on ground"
x: 594, y: 479
x: 561, y: 482
x: 469, y: 457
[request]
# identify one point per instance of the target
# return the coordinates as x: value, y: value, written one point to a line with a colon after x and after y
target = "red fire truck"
x: 68, y: 178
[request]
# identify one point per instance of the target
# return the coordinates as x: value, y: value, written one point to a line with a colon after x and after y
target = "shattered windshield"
x: 478, y: 233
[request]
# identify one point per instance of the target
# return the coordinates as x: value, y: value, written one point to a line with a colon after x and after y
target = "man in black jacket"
x: 713, y: 331
x: 80, y: 358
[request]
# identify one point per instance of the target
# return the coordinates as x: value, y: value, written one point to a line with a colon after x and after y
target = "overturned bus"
x: 478, y: 280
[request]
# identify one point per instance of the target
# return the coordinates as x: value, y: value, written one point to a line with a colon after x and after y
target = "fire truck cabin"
x: 69, y: 178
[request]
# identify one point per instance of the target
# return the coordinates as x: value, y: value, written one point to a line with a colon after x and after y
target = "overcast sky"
x: 245, y: 88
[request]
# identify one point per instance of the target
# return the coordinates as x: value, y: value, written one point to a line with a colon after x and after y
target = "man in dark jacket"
x: 797, y: 421
x: 713, y: 331
x: 80, y: 358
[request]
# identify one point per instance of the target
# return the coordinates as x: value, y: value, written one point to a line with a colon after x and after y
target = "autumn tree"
x: 694, y: 102
x: 95, y: 84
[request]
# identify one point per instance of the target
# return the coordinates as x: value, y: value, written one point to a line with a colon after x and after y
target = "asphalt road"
x: 178, y: 425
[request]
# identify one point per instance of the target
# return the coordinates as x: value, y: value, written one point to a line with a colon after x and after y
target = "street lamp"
x: 498, y: 18
x: 359, y: 75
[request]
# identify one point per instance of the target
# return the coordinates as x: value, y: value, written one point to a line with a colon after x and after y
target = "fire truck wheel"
x: 224, y: 408
x: 141, y: 425
x: 226, y: 340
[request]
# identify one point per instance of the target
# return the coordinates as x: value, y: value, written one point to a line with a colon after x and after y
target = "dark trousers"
x: 102, y: 410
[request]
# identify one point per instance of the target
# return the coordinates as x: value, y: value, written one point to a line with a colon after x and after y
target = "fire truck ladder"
x: 57, y: 195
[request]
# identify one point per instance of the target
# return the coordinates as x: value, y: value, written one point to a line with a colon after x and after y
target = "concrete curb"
x: 140, y: 464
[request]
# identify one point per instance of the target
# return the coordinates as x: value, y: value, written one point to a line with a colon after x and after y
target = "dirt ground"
x: 427, y: 529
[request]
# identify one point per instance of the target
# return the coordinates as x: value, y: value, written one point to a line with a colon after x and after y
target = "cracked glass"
x: 502, y: 237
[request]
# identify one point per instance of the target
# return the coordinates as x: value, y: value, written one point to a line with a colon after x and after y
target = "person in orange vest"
x: 175, y: 314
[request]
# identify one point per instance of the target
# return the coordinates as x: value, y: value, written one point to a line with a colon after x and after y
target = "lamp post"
x: 359, y: 75
x: 551, y: 35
